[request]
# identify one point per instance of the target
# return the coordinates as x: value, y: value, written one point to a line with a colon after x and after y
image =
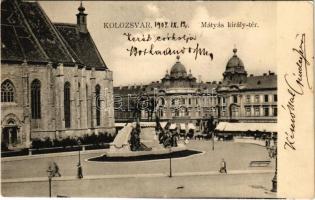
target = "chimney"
x: 199, y: 79
x: 81, y: 19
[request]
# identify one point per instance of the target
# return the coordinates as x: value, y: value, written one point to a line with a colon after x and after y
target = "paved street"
x: 250, y: 185
x: 237, y: 156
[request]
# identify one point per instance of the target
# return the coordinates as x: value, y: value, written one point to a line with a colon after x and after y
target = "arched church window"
x: 80, y: 106
x: 67, y: 105
x: 11, y: 122
x: 7, y: 91
x: 79, y: 91
x: 87, y: 105
x: 98, y: 104
x: 35, y: 99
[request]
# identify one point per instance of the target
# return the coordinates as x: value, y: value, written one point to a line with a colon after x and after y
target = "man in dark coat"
x: 55, y: 169
x: 223, y: 166
x: 80, y: 173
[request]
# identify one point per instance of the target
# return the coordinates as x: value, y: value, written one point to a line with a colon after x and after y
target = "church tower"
x: 81, y: 19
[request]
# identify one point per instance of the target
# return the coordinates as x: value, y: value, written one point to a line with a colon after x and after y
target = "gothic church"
x: 54, y: 82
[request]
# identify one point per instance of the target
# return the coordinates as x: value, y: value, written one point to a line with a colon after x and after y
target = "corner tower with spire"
x: 235, y: 71
x: 81, y: 19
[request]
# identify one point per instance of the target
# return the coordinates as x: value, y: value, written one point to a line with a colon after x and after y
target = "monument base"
x: 127, y: 153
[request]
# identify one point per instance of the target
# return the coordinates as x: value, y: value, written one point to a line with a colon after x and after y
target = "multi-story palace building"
x: 246, y: 98
x: 54, y: 82
x: 180, y: 98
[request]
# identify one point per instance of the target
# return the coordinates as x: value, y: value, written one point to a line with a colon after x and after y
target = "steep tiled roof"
x: 267, y: 81
x: 131, y: 90
x: 17, y: 40
x: 208, y: 85
x: 261, y: 82
x: 45, y: 33
x: 28, y: 35
x: 82, y: 45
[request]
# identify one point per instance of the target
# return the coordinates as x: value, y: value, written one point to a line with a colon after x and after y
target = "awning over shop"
x: 243, y: 127
x: 163, y: 124
x: 142, y: 124
x: 120, y: 124
x: 172, y: 127
x: 147, y: 124
x: 191, y: 126
x: 182, y: 126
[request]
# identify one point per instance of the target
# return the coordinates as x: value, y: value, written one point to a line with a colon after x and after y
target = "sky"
x: 256, y: 46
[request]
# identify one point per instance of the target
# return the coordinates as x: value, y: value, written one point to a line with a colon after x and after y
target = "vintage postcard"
x: 157, y: 99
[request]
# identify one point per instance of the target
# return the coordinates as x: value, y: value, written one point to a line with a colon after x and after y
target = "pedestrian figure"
x: 266, y: 143
x: 186, y: 140
x: 80, y: 174
x: 223, y: 166
x: 55, y: 170
x: 174, y: 140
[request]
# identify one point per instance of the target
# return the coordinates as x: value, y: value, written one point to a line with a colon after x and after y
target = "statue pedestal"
x: 128, y: 153
x: 120, y: 147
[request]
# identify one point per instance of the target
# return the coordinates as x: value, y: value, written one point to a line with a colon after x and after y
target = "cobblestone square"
x: 193, y: 176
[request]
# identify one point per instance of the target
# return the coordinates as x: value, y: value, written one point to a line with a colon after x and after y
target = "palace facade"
x: 54, y: 82
x: 179, y: 98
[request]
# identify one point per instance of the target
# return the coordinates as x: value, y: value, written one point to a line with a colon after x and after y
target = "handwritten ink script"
x: 296, y: 83
x: 174, y: 42
x: 151, y: 49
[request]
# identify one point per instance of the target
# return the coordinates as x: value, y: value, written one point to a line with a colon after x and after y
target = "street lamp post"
x: 50, y: 175
x: 79, y: 143
x: 170, y: 148
x: 80, y: 173
x: 273, y: 153
x: 274, y: 180
x: 212, y: 140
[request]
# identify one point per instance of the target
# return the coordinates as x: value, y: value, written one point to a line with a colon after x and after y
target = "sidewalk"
x: 161, y: 186
x: 115, y: 176
x: 50, y: 155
